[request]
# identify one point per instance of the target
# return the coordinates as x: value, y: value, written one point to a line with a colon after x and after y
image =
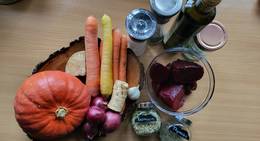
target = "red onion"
x: 112, y: 121
x: 96, y: 114
x: 90, y: 131
x: 99, y: 102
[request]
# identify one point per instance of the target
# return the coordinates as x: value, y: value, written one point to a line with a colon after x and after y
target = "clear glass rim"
x: 130, y: 16
x: 175, y: 8
x: 210, y: 74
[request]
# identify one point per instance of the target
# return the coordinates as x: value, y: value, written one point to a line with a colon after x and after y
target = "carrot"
x: 106, y: 81
x: 123, y: 58
x: 116, y: 52
x: 92, y: 56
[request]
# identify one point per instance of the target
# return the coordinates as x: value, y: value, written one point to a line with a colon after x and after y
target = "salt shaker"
x: 140, y: 25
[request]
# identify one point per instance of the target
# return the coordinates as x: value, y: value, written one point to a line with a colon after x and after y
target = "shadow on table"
x: 257, y: 8
x: 29, y: 5
x: 20, y: 5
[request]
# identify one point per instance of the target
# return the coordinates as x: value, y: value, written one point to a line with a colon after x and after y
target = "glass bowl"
x: 199, y: 98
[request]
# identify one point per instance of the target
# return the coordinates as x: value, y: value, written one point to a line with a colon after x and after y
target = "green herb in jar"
x: 146, y: 120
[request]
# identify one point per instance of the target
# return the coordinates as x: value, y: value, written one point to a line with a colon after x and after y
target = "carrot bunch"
x: 105, y: 65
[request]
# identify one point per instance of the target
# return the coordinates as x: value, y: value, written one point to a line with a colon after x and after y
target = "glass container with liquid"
x: 191, y: 20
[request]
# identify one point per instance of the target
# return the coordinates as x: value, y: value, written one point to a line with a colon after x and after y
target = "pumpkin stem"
x: 61, y: 112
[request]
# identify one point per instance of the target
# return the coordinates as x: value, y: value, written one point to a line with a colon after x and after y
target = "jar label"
x: 178, y: 129
x: 189, y: 3
x: 144, y: 118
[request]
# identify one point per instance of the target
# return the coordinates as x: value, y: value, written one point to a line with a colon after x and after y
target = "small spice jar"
x: 163, y: 11
x: 140, y: 25
x: 210, y: 38
x: 146, y: 120
x: 176, y: 130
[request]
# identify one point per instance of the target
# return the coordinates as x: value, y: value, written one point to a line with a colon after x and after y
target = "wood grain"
x: 31, y: 30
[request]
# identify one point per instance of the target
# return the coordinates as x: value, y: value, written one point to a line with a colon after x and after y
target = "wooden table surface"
x: 31, y: 30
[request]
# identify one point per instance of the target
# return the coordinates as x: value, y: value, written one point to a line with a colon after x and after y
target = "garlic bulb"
x: 133, y: 93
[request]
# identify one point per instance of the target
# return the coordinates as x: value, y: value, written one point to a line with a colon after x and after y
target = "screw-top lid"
x: 212, y: 37
x: 166, y: 7
x: 211, y: 3
x: 140, y: 24
x: 186, y: 121
x: 145, y: 105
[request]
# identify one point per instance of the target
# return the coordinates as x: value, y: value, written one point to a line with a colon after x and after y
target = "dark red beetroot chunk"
x: 189, y: 87
x: 173, y: 96
x: 186, y: 72
x: 156, y: 87
x: 159, y: 73
x: 169, y: 66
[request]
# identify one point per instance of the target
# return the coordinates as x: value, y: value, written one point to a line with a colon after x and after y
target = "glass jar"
x: 140, y: 25
x: 163, y: 11
x: 211, y: 38
x: 176, y: 130
x: 145, y: 120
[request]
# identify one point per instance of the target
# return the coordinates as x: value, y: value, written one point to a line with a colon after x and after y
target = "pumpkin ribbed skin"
x: 50, y: 104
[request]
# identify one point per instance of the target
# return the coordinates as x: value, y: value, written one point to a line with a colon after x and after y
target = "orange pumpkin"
x: 51, y: 104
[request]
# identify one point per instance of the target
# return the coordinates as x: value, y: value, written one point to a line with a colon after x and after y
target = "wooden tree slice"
x: 76, y: 64
x: 58, y: 60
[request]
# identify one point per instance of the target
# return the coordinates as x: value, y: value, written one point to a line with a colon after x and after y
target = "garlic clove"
x: 134, y: 93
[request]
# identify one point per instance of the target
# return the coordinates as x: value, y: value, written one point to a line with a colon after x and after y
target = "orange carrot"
x: 116, y: 52
x: 123, y: 58
x: 92, y: 56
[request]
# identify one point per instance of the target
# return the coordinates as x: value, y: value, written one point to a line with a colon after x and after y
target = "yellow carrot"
x: 106, y: 81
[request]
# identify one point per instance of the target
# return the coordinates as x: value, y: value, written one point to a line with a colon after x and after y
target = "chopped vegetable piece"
x: 186, y: 72
x: 159, y: 73
x: 173, y: 96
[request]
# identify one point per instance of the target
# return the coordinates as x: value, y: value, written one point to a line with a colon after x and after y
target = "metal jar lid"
x: 145, y: 105
x: 140, y: 24
x: 165, y: 9
x: 212, y: 37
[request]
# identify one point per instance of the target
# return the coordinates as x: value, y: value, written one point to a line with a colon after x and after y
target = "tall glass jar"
x: 140, y: 25
x: 163, y: 11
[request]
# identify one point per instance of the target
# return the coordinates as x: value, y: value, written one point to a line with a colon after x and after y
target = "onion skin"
x: 112, y: 121
x: 96, y: 115
x: 90, y: 131
x: 99, y: 102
